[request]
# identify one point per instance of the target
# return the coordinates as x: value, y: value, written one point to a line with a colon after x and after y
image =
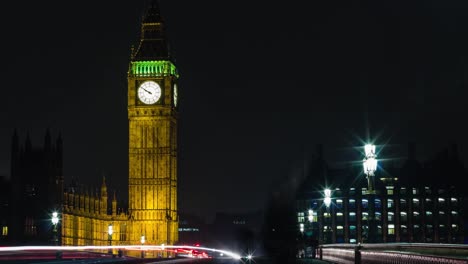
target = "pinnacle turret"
x: 153, y: 43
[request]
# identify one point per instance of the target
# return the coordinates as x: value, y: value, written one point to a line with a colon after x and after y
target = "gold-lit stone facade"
x: 85, y: 219
x: 152, y: 176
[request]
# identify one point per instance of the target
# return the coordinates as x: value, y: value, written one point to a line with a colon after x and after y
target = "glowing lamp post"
x: 142, y: 240
x: 370, y: 166
x: 110, y: 231
x: 55, y: 221
x: 327, y: 201
x: 311, y: 216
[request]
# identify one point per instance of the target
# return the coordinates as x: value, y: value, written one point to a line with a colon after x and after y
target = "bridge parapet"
x: 394, y: 253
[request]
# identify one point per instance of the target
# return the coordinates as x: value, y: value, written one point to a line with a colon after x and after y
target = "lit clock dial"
x: 149, y: 92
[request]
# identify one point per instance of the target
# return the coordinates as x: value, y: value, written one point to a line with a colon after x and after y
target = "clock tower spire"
x: 152, y: 115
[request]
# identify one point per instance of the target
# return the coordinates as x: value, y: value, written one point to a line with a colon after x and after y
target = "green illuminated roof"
x: 153, y: 68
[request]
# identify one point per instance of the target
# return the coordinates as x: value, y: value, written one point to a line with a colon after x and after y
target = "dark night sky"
x: 262, y: 82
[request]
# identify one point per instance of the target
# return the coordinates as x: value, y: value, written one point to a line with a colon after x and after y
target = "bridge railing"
x: 394, y: 253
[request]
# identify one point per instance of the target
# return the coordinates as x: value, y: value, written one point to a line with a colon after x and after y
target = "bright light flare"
x: 370, y: 166
x: 55, y: 218
x: 110, y: 230
x: 327, y: 199
x: 369, y: 150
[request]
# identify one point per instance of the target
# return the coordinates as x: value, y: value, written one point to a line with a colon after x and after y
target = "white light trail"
x: 126, y: 247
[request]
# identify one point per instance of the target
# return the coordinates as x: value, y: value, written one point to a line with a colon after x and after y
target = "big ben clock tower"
x: 152, y: 117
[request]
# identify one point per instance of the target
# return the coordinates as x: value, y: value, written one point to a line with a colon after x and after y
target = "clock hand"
x: 147, y: 91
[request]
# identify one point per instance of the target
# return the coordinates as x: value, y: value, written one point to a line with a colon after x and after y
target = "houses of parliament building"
x: 85, y: 214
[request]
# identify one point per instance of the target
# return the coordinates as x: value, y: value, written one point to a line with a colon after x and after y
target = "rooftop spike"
x: 153, y: 14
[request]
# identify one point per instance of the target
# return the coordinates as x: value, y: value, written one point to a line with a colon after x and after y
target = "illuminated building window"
x: 389, y: 190
x: 365, y: 203
x: 352, y: 230
x: 391, y: 229
x: 441, y: 201
x: 364, y: 215
x: 301, y: 227
x: 404, y: 230
x: 364, y: 229
x: 415, y: 191
x: 123, y: 232
x: 300, y: 217
x: 454, y: 227
x: 454, y: 201
x: 403, y: 190
x: 415, y: 202
x: 363, y: 191
x: 352, y: 216
x: 403, y: 203
x: 339, y: 230
x: 389, y: 203
x: 454, y: 213
x: 378, y: 216
x: 379, y: 230
x: 339, y: 203
x: 390, y: 217
x: 312, y: 216
x: 352, y: 240
x: 339, y: 216
x: 378, y: 203
x: 352, y: 191
x: 326, y: 215
x: 403, y: 216
x: 352, y: 203
x: 189, y: 229
x: 5, y: 231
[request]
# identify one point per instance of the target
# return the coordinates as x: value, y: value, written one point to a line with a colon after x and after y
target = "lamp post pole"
x: 142, y: 240
x: 370, y: 166
x: 110, y: 231
x: 55, y: 221
x: 327, y: 200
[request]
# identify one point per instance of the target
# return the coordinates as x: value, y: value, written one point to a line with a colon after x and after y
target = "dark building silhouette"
x: 4, y: 201
x: 416, y: 202
x: 36, y: 189
x: 239, y: 232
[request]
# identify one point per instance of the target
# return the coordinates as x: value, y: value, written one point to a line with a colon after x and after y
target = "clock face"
x: 149, y: 92
x: 175, y: 95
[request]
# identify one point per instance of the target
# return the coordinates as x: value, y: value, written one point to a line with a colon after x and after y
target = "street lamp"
x: 55, y: 221
x: 370, y: 166
x: 110, y: 231
x: 327, y: 201
x: 142, y: 240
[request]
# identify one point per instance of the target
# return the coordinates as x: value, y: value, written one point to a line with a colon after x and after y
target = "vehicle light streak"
x: 126, y: 247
